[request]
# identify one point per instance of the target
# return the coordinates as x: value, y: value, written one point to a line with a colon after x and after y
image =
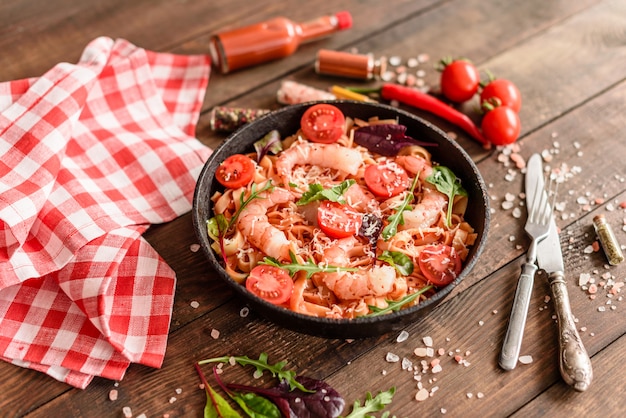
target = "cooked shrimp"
x: 254, y: 224
x: 376, y: 281
x: 415, y: 164
x: 361, y: 199
x: 426, y: 212
x: 335, y: 156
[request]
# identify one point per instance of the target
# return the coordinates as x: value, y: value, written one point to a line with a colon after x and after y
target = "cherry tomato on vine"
x: 236, y: 171
x: 323, y: 123
x: 270, y: 283
x: 440, y: 264
x: 505, y: 91
x: 459, y: 80
x: 338, y: 220
x: 501, y: 125
x: 386, y: 180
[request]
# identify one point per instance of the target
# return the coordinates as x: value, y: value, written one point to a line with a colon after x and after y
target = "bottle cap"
x: 344, y: 20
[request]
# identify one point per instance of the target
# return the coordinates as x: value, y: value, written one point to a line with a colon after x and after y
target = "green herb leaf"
x: 256, y: 406
x: 449, y: 184
x: 318, y: 192
x: 394, y: 306
x: 309, y: 266
x: 277, y: 370
x: 400, y: 261
x: 216, y: 406
x: 397, y: 219
x: 371, y: 404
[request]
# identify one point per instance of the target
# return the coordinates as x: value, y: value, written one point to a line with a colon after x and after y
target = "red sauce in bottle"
x: 270, y: 40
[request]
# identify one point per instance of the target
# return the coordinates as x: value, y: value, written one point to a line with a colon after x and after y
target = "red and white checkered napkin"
x: 91, y: 154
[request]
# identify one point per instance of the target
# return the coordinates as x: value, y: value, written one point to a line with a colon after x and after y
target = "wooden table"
x: 569, y: 61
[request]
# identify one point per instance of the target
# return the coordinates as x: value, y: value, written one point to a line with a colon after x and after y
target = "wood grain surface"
x: 568, y: 60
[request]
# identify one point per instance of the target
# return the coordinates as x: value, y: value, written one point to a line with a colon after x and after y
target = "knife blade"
x: 512, y: 343
x: 574, y: 362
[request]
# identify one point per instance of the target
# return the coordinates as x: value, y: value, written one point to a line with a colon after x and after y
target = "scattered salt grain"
x: 428, y: 341
x: 469, y: 395
x: 421, y: 351
x: 113, y: 395
x: 407, y: 364
x: 443, y: 411
x: 480, y: 395
x: 194, y: 304
x: 257, y: 374
x: 402, y: 337
x: 178, y: 391
x: 128, y: 413
x: 244, y: 312
x: 215, y: 334
x: 526, y: 359
x: 194, y: 248
x: 422, y: 395
x: 142, y: 415
x: 392, y: 358
x: 172, y: 399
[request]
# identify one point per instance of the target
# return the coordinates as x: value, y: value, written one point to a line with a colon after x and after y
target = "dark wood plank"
x: 567, y: 59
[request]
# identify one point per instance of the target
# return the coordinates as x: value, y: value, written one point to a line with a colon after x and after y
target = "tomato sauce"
x: 270, y: 40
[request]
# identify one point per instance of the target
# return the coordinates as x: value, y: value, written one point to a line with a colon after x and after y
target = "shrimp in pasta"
x: 342, y: 272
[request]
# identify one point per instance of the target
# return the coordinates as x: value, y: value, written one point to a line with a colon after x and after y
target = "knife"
x: 512, y: 343
x: 574, y: 362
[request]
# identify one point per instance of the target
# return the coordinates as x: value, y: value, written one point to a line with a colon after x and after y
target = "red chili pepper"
x: 423, y: 101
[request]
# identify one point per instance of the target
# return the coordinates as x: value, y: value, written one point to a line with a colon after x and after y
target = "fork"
x: 537, y: 227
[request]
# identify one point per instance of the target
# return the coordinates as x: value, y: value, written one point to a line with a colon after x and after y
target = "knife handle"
x: 517, y: 321
x: 574, y: 361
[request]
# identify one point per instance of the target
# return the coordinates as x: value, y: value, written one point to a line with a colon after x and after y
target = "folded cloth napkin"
x: 91, y: 154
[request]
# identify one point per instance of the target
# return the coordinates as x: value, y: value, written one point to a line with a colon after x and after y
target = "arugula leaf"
x: 394, y: 306
x: 449, y: 184
x: 400, y: 261
x: 371, y: 404
x: 318, y: 192
x: 277, y: 370
x: 216, y: 406
x: 310, y: 267
x: 269, y: 143
x: 397, y: 219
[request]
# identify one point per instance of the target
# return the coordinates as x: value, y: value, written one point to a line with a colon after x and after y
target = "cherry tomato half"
x: 501, y: 125
x: 270, y: 283
x: 337, y: 220
x: 236, y: 171
x: 459, y: 80
x: 323, y: 123
x: 440, y: 264
x: 386, y: 180
x: 505, y: 91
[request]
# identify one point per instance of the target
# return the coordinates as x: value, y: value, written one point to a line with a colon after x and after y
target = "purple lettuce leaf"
x: 386, y: 139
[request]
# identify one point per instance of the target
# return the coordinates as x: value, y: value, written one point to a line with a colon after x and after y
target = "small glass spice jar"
x: 609, y: 243
x: 345, y: 64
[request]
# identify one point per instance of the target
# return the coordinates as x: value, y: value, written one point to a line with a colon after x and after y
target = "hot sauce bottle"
x: 270, y: 40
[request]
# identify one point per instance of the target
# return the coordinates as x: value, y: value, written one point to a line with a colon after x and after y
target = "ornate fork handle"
x: 574, y: 361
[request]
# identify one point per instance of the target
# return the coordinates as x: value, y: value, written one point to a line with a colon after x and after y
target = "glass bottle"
x: 270, y: 40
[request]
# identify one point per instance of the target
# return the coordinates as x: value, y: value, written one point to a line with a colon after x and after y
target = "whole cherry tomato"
x: 505, y: 91
x: 501, y: 125
x: 459, y: 80
x: 323, y: 123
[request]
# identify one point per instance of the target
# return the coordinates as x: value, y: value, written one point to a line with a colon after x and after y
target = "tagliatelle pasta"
x: 406, y: 237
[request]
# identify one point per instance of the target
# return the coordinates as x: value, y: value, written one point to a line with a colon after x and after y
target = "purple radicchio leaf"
x: 324, y: 402
x: 269, y: 143
x: 386, y: 139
